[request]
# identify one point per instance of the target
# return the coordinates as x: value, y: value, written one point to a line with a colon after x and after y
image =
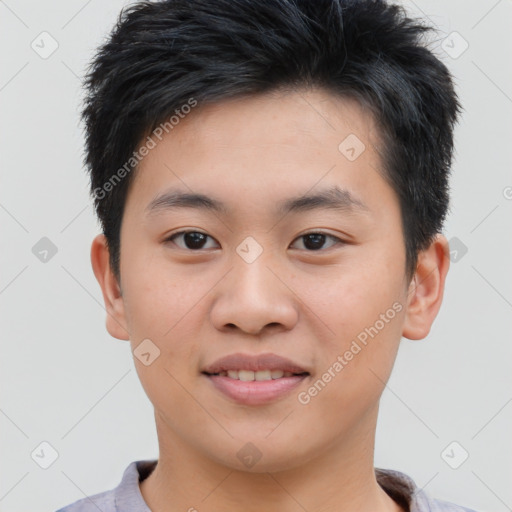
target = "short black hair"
x: 161, y: 55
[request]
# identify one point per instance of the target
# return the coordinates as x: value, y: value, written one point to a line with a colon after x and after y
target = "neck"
x: 340, y: 479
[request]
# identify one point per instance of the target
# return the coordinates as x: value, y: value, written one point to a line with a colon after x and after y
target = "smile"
x: 260, y: 375
x: 254, y: 379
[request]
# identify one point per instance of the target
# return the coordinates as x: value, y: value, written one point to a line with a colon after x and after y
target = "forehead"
x: 298, y: 115
x: 265, y: 144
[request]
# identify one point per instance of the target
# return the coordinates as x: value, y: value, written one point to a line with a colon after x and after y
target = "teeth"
x: 249, y: 375
x: 262, y: 375
x: 245, y: 375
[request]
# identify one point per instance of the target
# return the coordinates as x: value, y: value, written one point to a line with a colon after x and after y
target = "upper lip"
x: 255, y: 363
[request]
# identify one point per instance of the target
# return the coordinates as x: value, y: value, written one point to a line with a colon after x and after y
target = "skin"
x: 197, y: 305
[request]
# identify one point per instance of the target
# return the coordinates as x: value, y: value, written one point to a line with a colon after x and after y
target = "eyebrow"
x: 333, y: 198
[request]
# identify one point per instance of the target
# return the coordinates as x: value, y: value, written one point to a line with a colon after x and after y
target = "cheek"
x: 165, y: 309
x: 349, y: 299
x: 157, y: 298
x: 362, y: 312
x: 355, y: 367
x: 159, y: 303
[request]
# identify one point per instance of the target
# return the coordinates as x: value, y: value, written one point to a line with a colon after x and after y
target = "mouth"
x: 260, y: 375
x: 254, y: 379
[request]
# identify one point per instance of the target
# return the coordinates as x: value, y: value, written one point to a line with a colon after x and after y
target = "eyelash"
x: 327, y: 235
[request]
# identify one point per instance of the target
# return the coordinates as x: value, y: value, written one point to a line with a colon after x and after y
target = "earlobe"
x: 425, y: 293
x: 114, y: 305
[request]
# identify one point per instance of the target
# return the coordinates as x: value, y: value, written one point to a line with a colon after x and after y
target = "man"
x: 272, y: 180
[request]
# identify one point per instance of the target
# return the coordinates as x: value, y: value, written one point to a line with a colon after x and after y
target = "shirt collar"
x: 397, y: 485
x: 127, y: 494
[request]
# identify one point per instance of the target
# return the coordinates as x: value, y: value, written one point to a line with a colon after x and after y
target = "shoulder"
x: 447, y: 506
x: 404, y: 490
x: 126, y: 497
x: 104, y: 501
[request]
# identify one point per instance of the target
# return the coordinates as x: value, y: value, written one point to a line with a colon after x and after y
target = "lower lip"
x: 255, y: 392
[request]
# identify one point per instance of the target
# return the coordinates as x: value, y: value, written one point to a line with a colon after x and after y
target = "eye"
x: 196, y: 240
x: 315, y: 240
x: 193, y: 240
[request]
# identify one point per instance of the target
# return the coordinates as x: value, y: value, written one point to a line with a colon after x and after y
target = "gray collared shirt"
x: 126, y: 497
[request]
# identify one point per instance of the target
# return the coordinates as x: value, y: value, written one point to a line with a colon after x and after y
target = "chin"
x: 262, y: 456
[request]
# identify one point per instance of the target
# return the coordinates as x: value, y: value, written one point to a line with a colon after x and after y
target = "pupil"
x: 194, y: 240
x: 317, y: 238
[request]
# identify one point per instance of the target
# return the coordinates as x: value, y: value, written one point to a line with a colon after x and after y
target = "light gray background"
x: 65, y: 381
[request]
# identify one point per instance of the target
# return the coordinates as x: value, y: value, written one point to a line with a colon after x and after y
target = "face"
x: 270, y: 272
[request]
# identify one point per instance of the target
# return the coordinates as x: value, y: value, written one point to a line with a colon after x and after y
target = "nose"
x: 254, y: 298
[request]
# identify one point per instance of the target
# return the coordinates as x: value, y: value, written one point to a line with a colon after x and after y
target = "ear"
x: 426, y: 289
x: 112, y: 294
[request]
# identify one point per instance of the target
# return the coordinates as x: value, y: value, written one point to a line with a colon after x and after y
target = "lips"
x: 255, y: 379
x: 254, y: 363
